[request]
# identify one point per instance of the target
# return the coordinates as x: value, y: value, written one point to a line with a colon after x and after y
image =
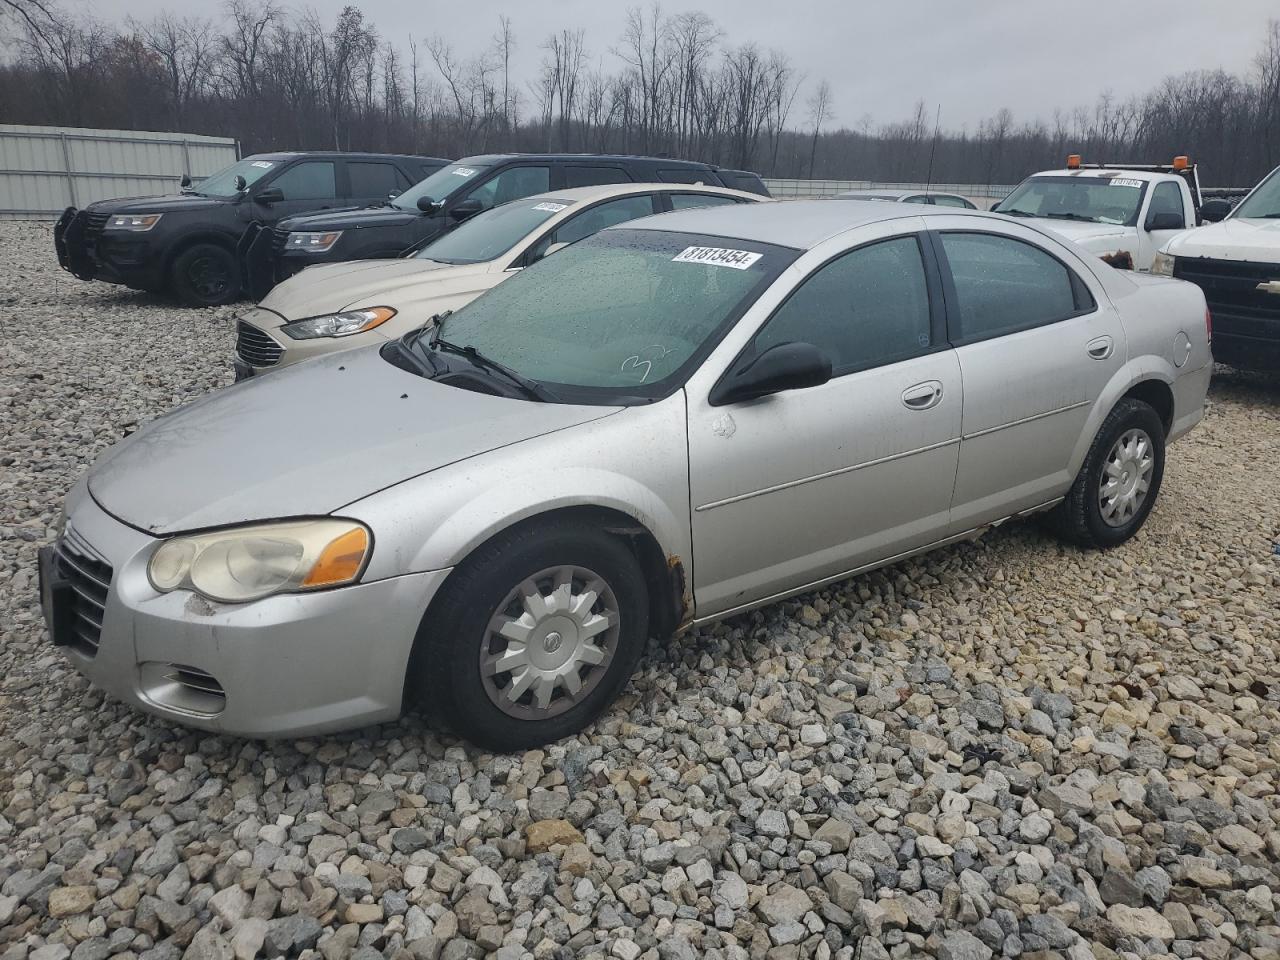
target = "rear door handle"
x: 1101, y: 348
x: 922, y: 396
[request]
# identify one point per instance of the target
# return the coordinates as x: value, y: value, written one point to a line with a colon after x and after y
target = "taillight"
x: 1208, y: 326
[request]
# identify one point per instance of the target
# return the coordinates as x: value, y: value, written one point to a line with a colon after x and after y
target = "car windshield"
x: 222, y: 183
x: 494, y: 232
x: 620, y: 317
x: 440, y: 186
x: 1091, y: 199
x: 1264, y: 201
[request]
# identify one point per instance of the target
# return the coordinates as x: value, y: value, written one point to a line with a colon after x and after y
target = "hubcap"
x: 209, y: 278
x: 1126, y: 478
x: 549, y: 642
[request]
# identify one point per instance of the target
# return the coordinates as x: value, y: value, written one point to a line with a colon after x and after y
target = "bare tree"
x: 819, y: 106
x: 187, y: 47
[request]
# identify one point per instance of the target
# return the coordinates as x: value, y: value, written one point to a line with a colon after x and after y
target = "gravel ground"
x: 1008, y: 748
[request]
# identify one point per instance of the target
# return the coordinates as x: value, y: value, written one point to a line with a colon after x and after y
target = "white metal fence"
x: 983, y: 195
x: 45, y: 169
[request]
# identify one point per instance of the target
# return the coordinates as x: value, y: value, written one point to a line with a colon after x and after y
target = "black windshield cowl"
x: 530, y: 388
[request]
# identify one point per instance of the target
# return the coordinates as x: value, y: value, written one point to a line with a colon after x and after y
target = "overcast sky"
x: 880, y: 56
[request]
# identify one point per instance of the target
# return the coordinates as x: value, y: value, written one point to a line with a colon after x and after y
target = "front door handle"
x: 1101, y: 348
x: 922, y: 396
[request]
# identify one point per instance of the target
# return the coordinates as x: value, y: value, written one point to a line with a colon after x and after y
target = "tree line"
x: 276, y: 78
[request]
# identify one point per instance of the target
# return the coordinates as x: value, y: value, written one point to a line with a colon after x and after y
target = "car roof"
x: 1150, y: 176
x: 799, y: 224
x: 606, y: 190
x: 880, y: 194
x: 351, y: 155
x: 492, y: 158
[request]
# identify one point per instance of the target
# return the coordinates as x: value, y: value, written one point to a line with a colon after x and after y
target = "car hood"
x: 330, y: 287
x: 1238, y: 238
x: 306, y: 441
x: 1091, y: 236
x: 356, y: 218
x: 166, y: 203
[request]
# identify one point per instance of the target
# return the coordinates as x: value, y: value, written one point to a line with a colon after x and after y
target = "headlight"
x: 248, y: 563
x: 339, y: 324
x: 1162, y: 265
x: 135, y: 222
x: 312, y: 242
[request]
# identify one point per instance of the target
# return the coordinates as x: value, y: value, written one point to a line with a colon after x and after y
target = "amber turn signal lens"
x: 340, y: 561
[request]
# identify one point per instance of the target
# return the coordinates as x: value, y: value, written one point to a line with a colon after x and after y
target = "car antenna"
x: 937, y: 126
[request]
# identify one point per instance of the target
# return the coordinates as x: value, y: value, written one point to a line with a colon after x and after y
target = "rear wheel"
x: 533, y: 636
x: 1117, y: 486
x: 205, y: 275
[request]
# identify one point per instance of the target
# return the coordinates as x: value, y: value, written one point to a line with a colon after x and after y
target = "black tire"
x: 205, y: 275
x: 1079, y: 518
x: 445, y: 674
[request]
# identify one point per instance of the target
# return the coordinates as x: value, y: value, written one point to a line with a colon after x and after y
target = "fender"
x: 1137, y: 370
x: 474, y: 499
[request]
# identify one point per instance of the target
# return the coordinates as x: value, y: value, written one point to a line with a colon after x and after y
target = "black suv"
x: 186, y: 243
x: 445, y: 199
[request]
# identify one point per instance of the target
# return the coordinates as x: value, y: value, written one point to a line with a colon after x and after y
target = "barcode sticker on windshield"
x: 717, y: 256
x: 550, y: 207
x: 264, y: 164
x: 464, y: 172
x: 1123, y: 182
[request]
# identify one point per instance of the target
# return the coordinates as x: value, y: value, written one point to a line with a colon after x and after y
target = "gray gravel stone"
x: 1002, y: 748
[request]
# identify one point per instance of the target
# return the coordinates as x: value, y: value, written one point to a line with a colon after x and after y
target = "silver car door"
x: 1037, y: 340
x: 805, y: 485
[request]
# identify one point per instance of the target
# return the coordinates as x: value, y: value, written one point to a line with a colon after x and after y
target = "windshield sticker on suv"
x: 264, y: 164
x: 551, y: 207
x: 464, y: 172
x: 1123, y: 182
x: 717, y: 256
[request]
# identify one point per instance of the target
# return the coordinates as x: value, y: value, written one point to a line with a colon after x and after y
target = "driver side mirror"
x: 185, y: 181
x: 1165, y: 221
x: 784, y: 366
x: 428, y: 205
x: 1214, y: 211
x: 270, y: 195
x: 466, y: 209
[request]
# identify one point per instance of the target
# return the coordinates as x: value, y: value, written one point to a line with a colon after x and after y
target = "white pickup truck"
x: 1235, y: 260
x: 1112, y: 208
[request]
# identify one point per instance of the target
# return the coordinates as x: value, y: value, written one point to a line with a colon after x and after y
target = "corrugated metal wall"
x: 44, y: 169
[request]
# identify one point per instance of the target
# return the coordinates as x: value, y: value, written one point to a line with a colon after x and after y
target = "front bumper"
x: 289, y: 665
x: 90, y: 252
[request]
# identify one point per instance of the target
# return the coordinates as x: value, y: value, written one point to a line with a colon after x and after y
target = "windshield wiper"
x: 1014, y: 213
x: 530, y: 388
x: 1072, y: 216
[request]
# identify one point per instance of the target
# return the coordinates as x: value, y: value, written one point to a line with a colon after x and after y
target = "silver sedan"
x: 671, y: 422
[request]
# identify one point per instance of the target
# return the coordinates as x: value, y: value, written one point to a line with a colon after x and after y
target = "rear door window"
x: 686, y: 175
x: 593, y: 176
x: 686, y: 201
x: 1003, y: 285
x: 370, y: 178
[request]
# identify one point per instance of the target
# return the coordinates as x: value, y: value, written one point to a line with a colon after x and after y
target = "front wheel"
x: 205, y: 275
x: 1117, y: 486
x: 533, y: 636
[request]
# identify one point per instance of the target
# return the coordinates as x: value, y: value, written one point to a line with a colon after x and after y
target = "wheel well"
x: 1157, y: 395
x: 663, y: 575
x: 669, y: 598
